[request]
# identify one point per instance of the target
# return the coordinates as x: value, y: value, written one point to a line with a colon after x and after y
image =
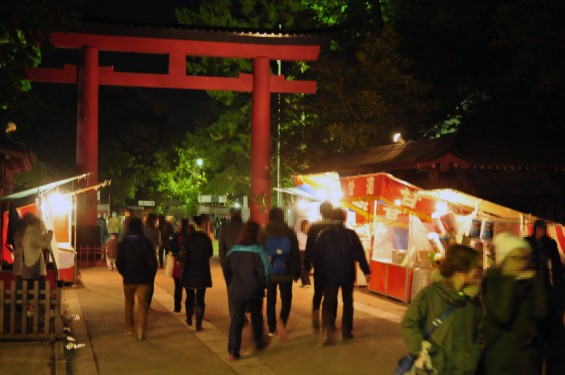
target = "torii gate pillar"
x: 87, y: 132
x: 260, y: 141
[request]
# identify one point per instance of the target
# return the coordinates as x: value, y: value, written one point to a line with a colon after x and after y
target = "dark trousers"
x: 178, y: 293
x: 228, y: 292
x: 318, y: 291
x: 329, y: 309
x: 194, y: 299
x: 285, y: 288
x: 304, y: 274
x: 239, y: 308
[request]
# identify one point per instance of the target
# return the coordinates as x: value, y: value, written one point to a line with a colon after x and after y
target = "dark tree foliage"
x: 25, y: 25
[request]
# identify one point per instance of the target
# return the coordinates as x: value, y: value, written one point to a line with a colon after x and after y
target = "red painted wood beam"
x: 260, y: 201
x: 173, y: 80
x: 69, y: 74
x: 186, y: 47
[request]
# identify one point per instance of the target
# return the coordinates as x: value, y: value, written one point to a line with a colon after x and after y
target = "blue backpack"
x: 279, y: 252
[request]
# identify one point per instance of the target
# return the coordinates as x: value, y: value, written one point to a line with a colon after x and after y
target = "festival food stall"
x: 393, y: 221
x: 55, y: 206
x: 472, y: 221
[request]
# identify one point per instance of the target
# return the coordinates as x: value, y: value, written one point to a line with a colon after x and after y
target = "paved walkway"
x: 172, y: 347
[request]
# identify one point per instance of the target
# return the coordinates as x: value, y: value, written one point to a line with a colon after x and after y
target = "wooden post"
x: 24, y: 307
x: 13, y: 308
x: 260, y: 201
x: 36, y: 306
x: 47, y: 308
x: 2, y: 291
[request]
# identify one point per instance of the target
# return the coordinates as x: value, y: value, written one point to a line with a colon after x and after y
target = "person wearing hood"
x: 454, y: 346
x: 514, y: 299
x: 282, y: 246
x: 246, y: 268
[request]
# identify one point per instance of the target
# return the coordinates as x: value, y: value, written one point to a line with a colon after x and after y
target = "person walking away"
x: 137, y: 263
x: 326, y: 213
x: 166, y: 233
x: 302, y: 239
x: 454, y: 346
x: 196, y: 276
x: 282, y: 246
x: 246, y: 267
x: 546, y: 262
x: 151, y: 232
x: 514, y: 299
x: 229, y: 234
x: 342, y: 248
x: 111, y: 251
x: 179, y: 254
x: 103, y: 227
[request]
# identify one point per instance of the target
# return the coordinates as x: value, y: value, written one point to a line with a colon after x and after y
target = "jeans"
x: 285, y: 288
x: 142, y: 293
x: 239, y: 308
x: 329, y: 309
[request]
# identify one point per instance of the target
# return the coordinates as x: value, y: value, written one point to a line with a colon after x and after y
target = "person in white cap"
x: 514, y: 299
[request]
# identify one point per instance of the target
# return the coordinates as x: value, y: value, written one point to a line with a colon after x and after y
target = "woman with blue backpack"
x: 282, y: 246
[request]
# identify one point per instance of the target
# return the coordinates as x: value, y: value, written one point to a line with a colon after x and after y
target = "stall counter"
x: 390, y: 280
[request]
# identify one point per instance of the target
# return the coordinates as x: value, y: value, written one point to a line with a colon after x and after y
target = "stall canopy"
x: 43, y: 189
x: 397, y: 196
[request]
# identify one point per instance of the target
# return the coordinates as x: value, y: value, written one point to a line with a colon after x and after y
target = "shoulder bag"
x: 406, y: 363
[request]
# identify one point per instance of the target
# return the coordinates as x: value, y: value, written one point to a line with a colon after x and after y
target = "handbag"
x: 406, y: 363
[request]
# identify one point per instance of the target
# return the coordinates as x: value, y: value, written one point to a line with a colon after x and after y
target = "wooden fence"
x: 91, y: 256
x: 30, y: 312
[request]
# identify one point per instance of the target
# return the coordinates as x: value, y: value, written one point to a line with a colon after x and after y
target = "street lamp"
x: 397, y: 138
x: 199, y: 162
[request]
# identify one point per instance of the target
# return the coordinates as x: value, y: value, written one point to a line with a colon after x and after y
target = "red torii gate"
x: 260, y: 47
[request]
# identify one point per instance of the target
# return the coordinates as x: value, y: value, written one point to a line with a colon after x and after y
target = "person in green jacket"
x: 454, y: 347
x: 515, y: 300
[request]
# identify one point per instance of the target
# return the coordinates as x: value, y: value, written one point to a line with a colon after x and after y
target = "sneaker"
x: 348, y: 336
x: 271, y: 333
x: 129, y: 331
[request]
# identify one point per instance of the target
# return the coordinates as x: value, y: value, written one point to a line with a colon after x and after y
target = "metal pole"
x: 279, y: 65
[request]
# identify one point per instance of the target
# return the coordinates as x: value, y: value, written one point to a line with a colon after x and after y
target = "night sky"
x: 177, y: 105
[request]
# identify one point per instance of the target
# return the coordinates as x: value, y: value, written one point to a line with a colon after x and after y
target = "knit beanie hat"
x: 504, y: 243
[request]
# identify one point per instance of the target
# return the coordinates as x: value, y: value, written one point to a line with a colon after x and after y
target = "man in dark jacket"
x: 282, y: 246
x: 315, y: 229
x: 229, y: 234
x: 546, y: 262
x: 137, y: 263
x: 342, y: 248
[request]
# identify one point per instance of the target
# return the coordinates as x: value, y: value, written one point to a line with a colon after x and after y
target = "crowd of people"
x: 257, y: 262
x: 506, y: 321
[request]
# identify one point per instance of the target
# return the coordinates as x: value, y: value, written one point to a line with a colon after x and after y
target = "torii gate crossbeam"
x: 89, y: 76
